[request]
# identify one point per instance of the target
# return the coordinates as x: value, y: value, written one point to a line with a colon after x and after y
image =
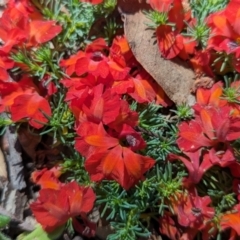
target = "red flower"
x: 193, y: 211
x: 196, y: 169
x: 209, y: 97
x: 31, y: 106
x: 201, y: 63
x: 22, y: 23
x: 69, y: 64
x: 168, y: 227
x: 47, y: 178
x: 103, y: 106
x: 225, y: 30
x: 120, y: 52
x: 108, y: 158
x: 231, y: 220
x: 170, y: 42
x: 191, y: 136
x: 213, y: 126
x: 43, y: 31
x: 5, y: 64
x: 54, y: 207
x: 95, y: 61
x: 145, y: 89
x: 161, y: 6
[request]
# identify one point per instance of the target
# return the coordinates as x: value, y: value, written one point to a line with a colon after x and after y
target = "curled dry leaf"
x: 175, y: 76
x: 205, y: 82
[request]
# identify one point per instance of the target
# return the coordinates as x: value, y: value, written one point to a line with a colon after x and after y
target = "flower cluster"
x: 204, y: 42
x: 100, y: 78
x: 58, y: 203
x: 206, y: 141
x: 122, y: 147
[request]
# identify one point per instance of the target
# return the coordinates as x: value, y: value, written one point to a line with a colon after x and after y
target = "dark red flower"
x: 193, y: 211
x: 54, y: 207
x: 197, y: 164
x: 170, y: 42
x: 47, y: 178
x: 113, y: 158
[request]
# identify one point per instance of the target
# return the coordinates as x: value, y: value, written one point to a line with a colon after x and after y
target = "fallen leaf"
x: 175, y: 76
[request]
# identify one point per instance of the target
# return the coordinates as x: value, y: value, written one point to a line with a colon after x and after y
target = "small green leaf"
x: 40, y: 234
x: 4, y: 220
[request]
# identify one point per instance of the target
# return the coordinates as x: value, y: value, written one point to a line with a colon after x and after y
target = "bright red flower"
x: 193, y: 211
x: 10, y: 90
x: 170, y: 42
x: 31, y: 106
x: 121, y: 53
x: 69, y: 64
x: 161, y: 6
x: 43, y: 31
x: 195, y: 166
x: 145, y: 89
x: 188, y: 50
x: 54, y: 207
x: 201, y: 63
x: 21, y: 23
x: 95, y: 61
x: 125, y: 116
x: 11, y: 38
x: 108, y: 158
x: 104, y: 106
x: 167, y: 226
x: 191, y: 136
x: 5, y: 64
x: 213, y: 126
x: 209, y: 97
x: 225, y: 29
x: 47, y: 178
x: 231, y: 220
x: 24, y: 7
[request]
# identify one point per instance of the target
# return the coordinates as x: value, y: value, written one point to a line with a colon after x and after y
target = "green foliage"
x: 159, y: 132
x: 202, y: 9
x: 4, y: 123
x: 231, y: 95
x: 106, y: 8
x: 40, y: 62
x: 157, y: 18
x: 4, y: 237
x: 110, y: 29
x: 183, y: 112
x: 61, y: 123
x: 218, y: 185
x: 40, y: 234
x: 4, y: 221
x: 74, y: 167
x: 75, y: 17
x: 198, y: 32
x: 131, y: 212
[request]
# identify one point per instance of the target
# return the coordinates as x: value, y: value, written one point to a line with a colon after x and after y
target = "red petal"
x: 43, y: 31
x: 31, y: 106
